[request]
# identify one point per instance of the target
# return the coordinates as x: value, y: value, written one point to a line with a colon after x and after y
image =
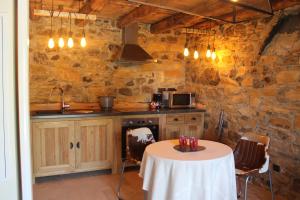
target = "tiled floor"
x: 102, y: 187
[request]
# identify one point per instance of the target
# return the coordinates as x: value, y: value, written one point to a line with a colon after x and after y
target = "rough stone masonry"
x: 86, y: 73
x: 259, y: 93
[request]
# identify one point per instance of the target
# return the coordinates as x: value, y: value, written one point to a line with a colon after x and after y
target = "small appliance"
x: 182, y: 100
x: 165, y: 96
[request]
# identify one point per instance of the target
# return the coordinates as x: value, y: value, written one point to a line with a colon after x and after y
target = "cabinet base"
x: 72, y: 175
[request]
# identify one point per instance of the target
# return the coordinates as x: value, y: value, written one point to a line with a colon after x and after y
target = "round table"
x: 169, y: 174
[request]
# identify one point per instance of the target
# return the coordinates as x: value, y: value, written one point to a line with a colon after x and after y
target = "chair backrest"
x: 137, y: 140
x: 220, y: 125
x: 265, y: 140
x: 249, y: 155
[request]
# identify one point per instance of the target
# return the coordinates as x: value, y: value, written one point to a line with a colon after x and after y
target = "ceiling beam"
x: 183, y: 20
x: 206, y: 10
x: 245, y: 14
x: 90, y: 6
x: 255, y: 8
x: 136, y: 14
x: 174, y: 22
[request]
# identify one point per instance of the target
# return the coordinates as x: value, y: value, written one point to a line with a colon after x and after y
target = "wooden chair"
x: 252, y: 158
x: 136, y: 142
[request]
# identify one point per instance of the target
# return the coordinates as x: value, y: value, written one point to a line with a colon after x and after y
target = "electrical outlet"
x: 276, y: 168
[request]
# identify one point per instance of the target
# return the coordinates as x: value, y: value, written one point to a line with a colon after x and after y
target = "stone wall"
x: 86, y: 73
x: 259, y: 93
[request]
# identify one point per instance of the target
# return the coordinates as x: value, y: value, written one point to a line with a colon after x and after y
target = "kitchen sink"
x: 48, y: 112
x: 58, y: 112
x: 82, y: 111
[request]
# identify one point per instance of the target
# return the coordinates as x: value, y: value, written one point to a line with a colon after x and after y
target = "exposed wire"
x: 70, y: 23
x: 186, y: 38
x: 195, y: 39
x: 83, y: 29
x: 51, y: 17
x: 214, y: 40
x: 61, y: 25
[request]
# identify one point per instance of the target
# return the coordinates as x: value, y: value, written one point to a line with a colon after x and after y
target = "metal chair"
x: 136, y: 142
x: 251, y: 158
x: 220, y: 128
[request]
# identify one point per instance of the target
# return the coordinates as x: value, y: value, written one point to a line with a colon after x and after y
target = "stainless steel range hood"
x: 131, y: 52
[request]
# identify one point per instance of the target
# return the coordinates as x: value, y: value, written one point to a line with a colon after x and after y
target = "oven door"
x: 154, y: 129
x: 180, y: 100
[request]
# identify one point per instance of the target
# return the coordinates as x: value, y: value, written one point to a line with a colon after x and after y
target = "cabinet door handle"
x: 78, y: 145
x: 194, y: 118
x: 175, y: 119
x: 71, y: 145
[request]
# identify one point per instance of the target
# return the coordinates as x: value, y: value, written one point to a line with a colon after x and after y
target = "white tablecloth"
x: 204, y: 175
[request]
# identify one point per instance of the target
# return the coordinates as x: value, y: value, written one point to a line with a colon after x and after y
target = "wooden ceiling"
x: 166, y: 17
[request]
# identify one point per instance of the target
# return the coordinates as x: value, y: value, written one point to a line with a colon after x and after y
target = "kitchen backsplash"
x: 86, y: 73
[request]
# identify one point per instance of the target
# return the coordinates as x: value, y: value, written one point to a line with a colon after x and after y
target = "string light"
x: 70, y: 42
x: 83, y: 40
x: 70, y: 39
x: 61, y: 42
x: 213, y: 55
x: 186, y: 50
x: 196, y: 54
x: 208, y: 51
x: 51, y: 43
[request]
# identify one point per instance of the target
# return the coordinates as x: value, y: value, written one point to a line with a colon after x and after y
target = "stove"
x: 133, y: 123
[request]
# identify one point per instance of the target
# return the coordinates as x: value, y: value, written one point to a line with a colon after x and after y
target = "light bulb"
x: 70, y: 42
x: 213, y: 55
x: 83, y: 42
x: 61, y: 42
x: 208, y: 53
x: 186, y: 52
x: 196, y: 55
x: 51, y: 43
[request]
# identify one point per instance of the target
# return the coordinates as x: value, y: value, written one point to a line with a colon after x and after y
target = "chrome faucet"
x: 64, y: 106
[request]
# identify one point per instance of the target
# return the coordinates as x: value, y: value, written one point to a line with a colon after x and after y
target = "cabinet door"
x: 195, y: 130
x: 94, y: 144
x: 174, y: 131
x: 53, y: 147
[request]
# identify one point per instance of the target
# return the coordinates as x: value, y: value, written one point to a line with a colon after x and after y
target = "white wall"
x: 23, y: 95
x: 9, y: 189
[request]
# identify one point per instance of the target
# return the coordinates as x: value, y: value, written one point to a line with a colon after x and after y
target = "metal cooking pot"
x: 106, y: 102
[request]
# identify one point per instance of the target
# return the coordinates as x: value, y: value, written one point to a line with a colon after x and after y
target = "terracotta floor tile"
x: 102, y: 187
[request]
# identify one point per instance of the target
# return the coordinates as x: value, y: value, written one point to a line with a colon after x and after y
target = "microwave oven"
x: 182, y: 100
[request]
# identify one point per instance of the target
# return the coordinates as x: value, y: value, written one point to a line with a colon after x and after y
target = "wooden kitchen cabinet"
x: 174, y: 131
x: 67, y: 146
x: 53, y: 147
x: 188, y: 124
x: 94, y: 144
x: 195, y: 130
